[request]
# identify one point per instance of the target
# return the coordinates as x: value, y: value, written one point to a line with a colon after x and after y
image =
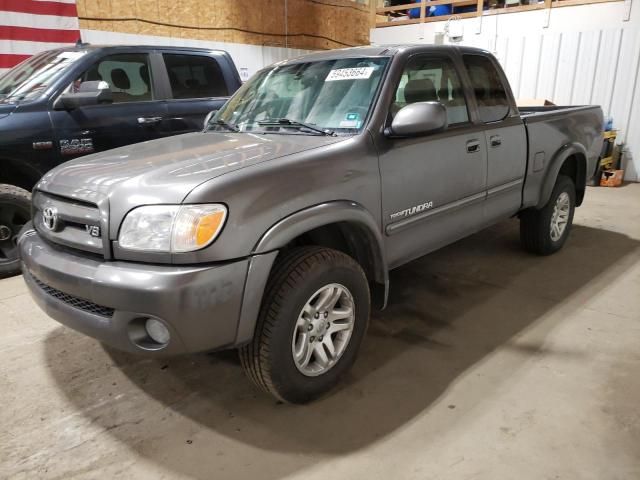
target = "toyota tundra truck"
x: 274, y: 229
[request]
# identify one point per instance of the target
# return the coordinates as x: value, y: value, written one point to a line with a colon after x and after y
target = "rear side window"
x: 429, y: 79
x: 128, y: 76
x: 493, y: 104
x: 195, y: 76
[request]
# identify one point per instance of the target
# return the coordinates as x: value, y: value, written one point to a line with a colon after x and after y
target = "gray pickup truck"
x: 271, y: 230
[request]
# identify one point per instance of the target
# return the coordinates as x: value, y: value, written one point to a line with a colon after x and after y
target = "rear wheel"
x: 15, y: 211
x: 546, y: 230
x: 313, y: 318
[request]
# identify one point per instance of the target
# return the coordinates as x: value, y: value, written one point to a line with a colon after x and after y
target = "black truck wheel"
x: 313, y: 317
x: 544, y: 231
x: 15, y: 211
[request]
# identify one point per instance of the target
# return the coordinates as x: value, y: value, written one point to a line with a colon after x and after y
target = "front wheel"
x: 313, y: 318
x: 546, y: 230
x: 15, y: 211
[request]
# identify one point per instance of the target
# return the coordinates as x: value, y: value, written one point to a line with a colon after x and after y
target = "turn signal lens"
x: 208, y: 227
x: 196, y: 226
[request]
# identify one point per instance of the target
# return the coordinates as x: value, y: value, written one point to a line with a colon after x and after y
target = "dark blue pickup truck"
x: 65, y: 103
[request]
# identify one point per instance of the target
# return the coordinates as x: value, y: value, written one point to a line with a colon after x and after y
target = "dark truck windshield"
x: 32, y: 77
x: 330, y: 95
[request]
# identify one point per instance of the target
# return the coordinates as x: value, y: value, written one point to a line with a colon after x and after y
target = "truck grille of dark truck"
x: 75, y: 222
x: 75, y: 302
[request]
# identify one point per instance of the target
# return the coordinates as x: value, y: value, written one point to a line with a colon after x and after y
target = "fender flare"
x: 339, y: 211
x: 283, y: 232
x: 555, y: 165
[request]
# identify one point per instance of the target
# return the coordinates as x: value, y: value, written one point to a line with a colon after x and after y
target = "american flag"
x: 30, y: 26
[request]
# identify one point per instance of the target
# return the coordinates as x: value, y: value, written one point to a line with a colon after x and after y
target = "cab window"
x: 128, y: 76
x: 491, y: 96
x: 428, y: 79
x: 195, y: 76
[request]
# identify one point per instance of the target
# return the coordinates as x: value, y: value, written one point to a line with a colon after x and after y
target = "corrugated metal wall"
x: 575, y: 55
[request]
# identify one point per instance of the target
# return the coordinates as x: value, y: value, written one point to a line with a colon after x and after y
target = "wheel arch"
x: 343, y: 225
x: 571, y: 161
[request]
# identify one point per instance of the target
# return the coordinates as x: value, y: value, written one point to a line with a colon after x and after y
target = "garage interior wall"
x: 586, y: 54
x: 255, y: 32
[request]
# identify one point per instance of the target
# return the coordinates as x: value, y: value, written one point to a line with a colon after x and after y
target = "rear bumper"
x: 110, y: 301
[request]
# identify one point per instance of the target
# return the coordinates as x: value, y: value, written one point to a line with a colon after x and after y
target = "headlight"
x: 172, y: 228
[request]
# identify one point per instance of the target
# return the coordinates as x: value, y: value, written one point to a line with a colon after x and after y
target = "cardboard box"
x: 612, y: 178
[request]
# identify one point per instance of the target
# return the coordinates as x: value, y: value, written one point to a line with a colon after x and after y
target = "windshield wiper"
x: 285, y: 122
x: 227, y: 125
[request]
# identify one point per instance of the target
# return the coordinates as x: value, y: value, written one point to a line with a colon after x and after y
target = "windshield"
x: 332, y: 95
x: 32, y: 77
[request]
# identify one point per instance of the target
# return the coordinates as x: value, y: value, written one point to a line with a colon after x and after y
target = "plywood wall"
x: 310, y: 24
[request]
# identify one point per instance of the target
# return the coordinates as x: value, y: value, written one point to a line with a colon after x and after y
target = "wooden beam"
x: 373, y: 14
x: 546, y: 4
x: 518, y: 8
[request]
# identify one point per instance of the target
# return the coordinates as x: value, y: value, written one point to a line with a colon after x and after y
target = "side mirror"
x: 208, y: 118
x: 417, y: 119
x: 89, y: 93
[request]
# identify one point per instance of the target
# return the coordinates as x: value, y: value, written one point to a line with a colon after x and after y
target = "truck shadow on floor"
x: 448, y: 312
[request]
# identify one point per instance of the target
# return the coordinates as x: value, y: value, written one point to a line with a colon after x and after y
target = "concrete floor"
x: 489, y: 363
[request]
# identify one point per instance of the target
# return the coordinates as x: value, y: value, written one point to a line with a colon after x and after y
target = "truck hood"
x: 166, y: 170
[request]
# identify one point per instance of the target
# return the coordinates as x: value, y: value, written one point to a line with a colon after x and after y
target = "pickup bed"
x: 65, y: 103
x: 271, y: 230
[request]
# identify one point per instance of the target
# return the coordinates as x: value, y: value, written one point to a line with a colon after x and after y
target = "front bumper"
x: 110, y: 301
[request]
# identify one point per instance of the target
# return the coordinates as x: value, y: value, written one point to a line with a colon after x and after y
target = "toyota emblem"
x: 50, y: 218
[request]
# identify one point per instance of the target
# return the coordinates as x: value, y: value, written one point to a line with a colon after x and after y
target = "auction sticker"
x: 360, y: 73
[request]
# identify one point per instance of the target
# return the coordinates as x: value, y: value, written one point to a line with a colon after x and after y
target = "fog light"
x: 157, y: 331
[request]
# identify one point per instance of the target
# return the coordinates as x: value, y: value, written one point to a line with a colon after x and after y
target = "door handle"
x: 473, y: 146
x: 495, y: 141
x: 148, y: 120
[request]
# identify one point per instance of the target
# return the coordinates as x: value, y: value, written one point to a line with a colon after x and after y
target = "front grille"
x: 75, y: 302
x: 77, y: 224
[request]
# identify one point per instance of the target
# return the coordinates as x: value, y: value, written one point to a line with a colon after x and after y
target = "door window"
x: 195, y: 76
x: 127, y: 75
x: 491, y: 96
x: 428, y: 79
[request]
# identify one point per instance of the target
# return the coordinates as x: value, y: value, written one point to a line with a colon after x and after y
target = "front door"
x: 433, y: 187
x: 134, y: 116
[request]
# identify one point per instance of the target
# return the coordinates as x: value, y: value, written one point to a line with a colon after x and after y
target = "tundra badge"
x: 412, y: 211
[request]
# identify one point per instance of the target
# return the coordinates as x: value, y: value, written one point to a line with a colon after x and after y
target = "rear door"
x: 505, y: 137
x: 198, y: 84
x: 136, y: 115
x: 433, y: 186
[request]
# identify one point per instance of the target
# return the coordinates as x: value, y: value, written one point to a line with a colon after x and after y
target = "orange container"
x: 612, y: 178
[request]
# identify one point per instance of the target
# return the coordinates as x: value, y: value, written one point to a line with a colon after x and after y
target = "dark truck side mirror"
x: 89, y: 93
x: 417, y: 119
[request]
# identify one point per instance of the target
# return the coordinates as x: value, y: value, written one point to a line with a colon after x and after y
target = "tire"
x: 15, y: 211
x: 536, y: 226
x: 296, y: 278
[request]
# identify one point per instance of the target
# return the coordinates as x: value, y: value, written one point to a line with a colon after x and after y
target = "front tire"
x: 314, y: 315
x: 15, y: 211
x: 545, y: 231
